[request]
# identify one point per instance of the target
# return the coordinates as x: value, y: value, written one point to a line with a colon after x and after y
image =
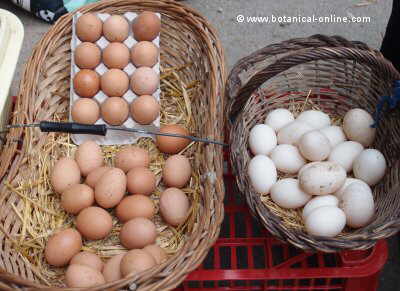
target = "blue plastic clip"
x: 390, y: 101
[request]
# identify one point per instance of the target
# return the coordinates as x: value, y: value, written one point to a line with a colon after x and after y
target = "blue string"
x: 390, y: 101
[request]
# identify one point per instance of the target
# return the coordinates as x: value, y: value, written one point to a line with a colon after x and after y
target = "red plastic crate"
x: 247, y: 257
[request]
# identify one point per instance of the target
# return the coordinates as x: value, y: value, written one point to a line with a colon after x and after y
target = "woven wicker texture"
x: 341, y: 75
x: 186, y: 37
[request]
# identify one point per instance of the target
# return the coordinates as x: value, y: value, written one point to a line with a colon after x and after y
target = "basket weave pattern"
x: 186, y: 37
x: 340, y: 75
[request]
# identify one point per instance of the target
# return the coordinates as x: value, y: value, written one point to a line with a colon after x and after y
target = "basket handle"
x: 240, y: 94
x: 288, y: 46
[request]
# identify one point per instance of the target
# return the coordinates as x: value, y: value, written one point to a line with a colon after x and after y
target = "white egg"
x: 345, y: 153
x: 291, y: 133
x: 314, y: 146
x: 326, y: 221
x: 324, y: 200
x: 358, y: 205
x: 287, y: 194
x: 262, y: 173
x: 349, y: 181
x: 279, y: 118
x: 262, y: 139
x: 334, y: 133
x: 321, y: 178
x: 357, y: 126
x: 370, y: 166
x: 316, y: 119
x: 287, y: 158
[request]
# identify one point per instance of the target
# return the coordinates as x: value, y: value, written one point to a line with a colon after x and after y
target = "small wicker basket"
x: 336, y: 75
x: 186, y: 37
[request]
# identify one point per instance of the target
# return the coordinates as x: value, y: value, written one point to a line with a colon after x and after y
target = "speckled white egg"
x: 345, y: 153
x: 325, y: 221
x: 319, y: 201
x: 292, y: 132
x: 321, y: 178
x: 314, y: 146
x: 334, y: 133
x: 262, y: 139
x: 357, y: 126
x: 316, y: 119
x: 358, y: 205
x: 349, y: 181
x: 287, y: 158
x: 306, y: 166
x: 278, y: 118
x: 370, y: 166
x: 262, y: 173
x: 287, y: 194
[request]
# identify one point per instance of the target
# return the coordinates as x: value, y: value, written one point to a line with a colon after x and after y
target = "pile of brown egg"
x: 126, y: 189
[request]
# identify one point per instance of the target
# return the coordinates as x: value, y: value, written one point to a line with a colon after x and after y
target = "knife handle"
x: 72, y: 127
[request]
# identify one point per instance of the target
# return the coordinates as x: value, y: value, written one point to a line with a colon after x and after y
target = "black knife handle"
x: 72, y: 127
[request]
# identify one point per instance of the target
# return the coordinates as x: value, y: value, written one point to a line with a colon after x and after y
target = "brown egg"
x: 112, y: 270
x: 87, y: 55
x: 146, y: 26
x: 138, y: 233
x: 116, y: 28
x: 130, y: 157
x: 114, y: 83
x: 157, y: 252
x: 177, y: 171
x: 89, y: 157
x: 174, y: 206
x: 145, y: 109
x: 144, y: 54
x: 86, y: 83
x: 95, y: 175
x: 141, y: 181
x: 136, y: 261
x: 81, y: 276
x: 85, y: 111
x: 65, y: 173
x: 111, y: 188
x: 62, y: 246
x: 169, y: 144
x: 87, y: 259
x: 115, y: 110
x: 116, y: 55
x: 94, y: 223
x: 144, y: 81
x: 89, y: 27
x: 76, y: 198
x: 135, y: 206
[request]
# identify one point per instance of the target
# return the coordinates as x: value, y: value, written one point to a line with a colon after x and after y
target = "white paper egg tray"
x: 112, y: 137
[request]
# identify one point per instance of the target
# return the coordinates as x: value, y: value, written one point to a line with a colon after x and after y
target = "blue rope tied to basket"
x: 390, y: 101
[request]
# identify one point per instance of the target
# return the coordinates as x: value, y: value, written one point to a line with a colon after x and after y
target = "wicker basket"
x: 186, y: 37
x: 337, y: 75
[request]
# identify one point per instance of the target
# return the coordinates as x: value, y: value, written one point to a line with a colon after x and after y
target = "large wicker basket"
x: 336, y: 75
x: 186, y: 37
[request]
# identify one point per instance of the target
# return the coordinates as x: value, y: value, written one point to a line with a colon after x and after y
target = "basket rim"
x: 202, y: 238
x: 360, y: 240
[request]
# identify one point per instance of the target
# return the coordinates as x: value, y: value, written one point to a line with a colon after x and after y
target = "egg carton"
x: 113, y: 137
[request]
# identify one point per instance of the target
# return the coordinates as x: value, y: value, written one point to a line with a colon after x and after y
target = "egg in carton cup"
x: 113, y: 137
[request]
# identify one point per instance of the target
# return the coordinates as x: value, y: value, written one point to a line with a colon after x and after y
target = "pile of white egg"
x: 322, y: 159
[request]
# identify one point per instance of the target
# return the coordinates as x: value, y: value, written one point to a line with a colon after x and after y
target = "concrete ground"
x: 242, y: 38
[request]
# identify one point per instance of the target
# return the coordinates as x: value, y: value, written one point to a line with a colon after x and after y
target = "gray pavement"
x: 242, y: 38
